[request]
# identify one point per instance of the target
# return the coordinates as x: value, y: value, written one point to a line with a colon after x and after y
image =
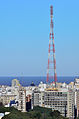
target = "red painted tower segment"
x: 51, y: 53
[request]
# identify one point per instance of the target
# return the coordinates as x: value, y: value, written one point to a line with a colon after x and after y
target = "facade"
x: 22, y: 100
x: 5, y: 99
x: 77, y: 102
x: 61, y: 100
x: 70, y: 103
x: 57, y: 100
x: 76, y: 87
x: 37, y: 98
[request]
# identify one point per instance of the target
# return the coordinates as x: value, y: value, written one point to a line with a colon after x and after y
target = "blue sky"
x: 24, y: 37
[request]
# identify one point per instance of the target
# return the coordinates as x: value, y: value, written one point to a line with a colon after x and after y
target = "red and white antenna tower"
x: 51, y: 53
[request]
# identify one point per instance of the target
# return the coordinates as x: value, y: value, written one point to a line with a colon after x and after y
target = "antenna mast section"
x: 51, y: 53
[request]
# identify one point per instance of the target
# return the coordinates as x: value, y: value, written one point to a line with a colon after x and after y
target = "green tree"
x: 36, y: 113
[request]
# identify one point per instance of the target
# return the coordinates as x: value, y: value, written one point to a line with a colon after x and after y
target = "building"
x: 71, y: 103
x: 15, y: 83
x: 56, y: 99
x: 5, y: 99
x: 37, y: 98
x: 76, y: 88
x: 22, y: 100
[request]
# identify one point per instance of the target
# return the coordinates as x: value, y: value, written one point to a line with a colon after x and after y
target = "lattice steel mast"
x: 51, y: 53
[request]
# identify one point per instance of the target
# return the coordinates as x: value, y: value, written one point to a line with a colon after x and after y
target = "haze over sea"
x: 26, y: 81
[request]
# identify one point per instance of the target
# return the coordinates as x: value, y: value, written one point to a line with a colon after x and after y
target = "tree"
x: 36, y: 113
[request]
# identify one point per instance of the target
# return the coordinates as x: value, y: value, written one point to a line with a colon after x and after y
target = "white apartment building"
x: 56, y: 99
x: 22, y: 100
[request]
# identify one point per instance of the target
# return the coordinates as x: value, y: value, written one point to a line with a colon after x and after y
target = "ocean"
x: 26, y: 81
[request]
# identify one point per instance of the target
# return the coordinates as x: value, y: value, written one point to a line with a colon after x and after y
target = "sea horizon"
x: 27, y: 80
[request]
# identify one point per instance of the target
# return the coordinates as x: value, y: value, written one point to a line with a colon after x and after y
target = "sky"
x: 24, y: 37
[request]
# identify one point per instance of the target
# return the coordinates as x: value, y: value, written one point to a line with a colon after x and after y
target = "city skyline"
x: 24, y: 37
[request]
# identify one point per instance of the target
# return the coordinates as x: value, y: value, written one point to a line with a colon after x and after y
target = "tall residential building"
x: 22, y: 100
x: 76, y: 87
x: 70, y: 103
x: 37, y: 98
x: 77, y: 102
